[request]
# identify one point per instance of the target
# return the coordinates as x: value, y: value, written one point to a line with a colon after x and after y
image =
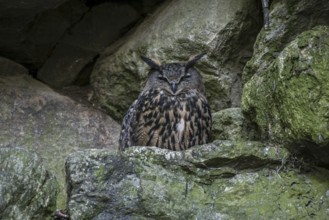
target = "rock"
x: 222, y: 180
x: 35, y: 117
x: 101, y: 26
x: 227, y: 124
x: 98, y: 28
x: 231, y: 124
x: 58, y: 40
x: 64, y: 65
x: 178, y: 30
x: 289, y: 100
x: 8, y: 67
x: 287, y: 20
x: 27, y: 189
x: 30, y: 29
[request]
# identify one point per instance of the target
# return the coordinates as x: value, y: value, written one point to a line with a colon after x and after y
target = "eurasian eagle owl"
x: 171, y: 112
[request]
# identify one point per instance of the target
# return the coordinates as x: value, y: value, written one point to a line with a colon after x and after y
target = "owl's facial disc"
x: 172, y: 85
x: 169, y: 86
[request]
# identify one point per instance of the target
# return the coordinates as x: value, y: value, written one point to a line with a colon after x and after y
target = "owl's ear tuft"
x: 154, y: 64
x: 192, y: 61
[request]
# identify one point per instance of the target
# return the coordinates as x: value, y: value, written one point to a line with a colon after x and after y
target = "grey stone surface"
x: 30, y: 29
x: 35, y: 117
x: 63, y: 67
x: 79, y: 46
x: 176, y: 31
x: 27, y: 189
x: 101, y: 26
x: 231, y: 124
x: 222, y: 180
x: 8, y: 67
x: 228, y: 124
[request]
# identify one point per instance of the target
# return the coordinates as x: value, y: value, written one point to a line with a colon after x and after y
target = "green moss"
x: 99, y: 173
x: 153, y: 183
x: 228, y: 124
x: 112, y: 110
x: 215, y: 91
x: 289, y: 100
x: 28, y: 189
x: 268, y: 194
x: 116, y: 101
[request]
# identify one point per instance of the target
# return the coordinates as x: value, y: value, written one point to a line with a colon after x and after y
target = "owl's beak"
x: 173, y: 86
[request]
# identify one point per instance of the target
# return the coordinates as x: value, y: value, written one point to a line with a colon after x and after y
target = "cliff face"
x: 70, y: 69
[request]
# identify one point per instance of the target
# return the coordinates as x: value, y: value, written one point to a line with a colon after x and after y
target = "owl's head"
x: 174, y: 78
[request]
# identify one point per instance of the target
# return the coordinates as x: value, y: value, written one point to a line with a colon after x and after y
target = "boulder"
x: 80, y: 46
x: 231, y: 124
x: 228, y: 124
x: 64, y: 65
x: 60, y: 39
x: 287, y: 20
x: 29, y: 30
x: 176, y: 31
x: 27, y: 189
x: 7, y: 67
x: 289, y: 100
x: 222, y: 180
x: 35, y: 117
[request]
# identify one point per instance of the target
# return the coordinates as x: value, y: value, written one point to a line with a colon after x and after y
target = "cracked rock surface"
x: 206, y: 182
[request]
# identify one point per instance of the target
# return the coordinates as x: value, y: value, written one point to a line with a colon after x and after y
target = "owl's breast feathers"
x: 172, y: 122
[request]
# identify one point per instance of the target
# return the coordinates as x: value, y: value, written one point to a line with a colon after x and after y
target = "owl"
x: 172, y: 110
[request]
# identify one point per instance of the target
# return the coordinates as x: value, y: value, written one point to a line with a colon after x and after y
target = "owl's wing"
x: 126, y: 130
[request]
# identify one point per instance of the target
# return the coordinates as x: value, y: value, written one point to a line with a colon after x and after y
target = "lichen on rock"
x: 289, y: 100
x: 204, y: 182
x: 27, y: 189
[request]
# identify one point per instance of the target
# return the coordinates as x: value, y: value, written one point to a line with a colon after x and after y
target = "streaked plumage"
x: 171, y: 112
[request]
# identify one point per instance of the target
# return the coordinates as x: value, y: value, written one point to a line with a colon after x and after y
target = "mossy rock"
x: 222, y: 180
x: 288, y: 19
x: 289, y: 100
x: 27, y: 189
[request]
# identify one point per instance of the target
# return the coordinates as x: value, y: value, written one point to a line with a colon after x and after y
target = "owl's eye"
x: 184, y: 77
x: 161, y: 77
x: 187, y: 75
